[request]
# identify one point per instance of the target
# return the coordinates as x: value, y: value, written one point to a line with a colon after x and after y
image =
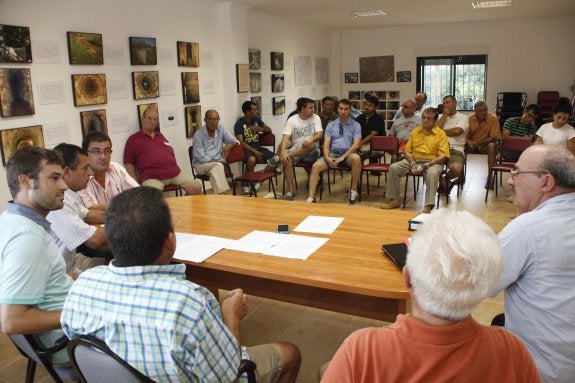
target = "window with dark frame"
x: 463, y: 76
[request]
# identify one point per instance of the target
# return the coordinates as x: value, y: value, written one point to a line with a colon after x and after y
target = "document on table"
x: 278, y: 245
x: 320, y: 225
x: 198, y: 248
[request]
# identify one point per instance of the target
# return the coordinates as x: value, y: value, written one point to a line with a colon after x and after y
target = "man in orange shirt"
x: 483, y: 131
x: 453, y: 262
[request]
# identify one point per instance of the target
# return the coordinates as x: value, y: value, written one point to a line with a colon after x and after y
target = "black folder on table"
x: 397, y: 252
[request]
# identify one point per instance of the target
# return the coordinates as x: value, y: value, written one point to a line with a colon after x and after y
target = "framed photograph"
x: 142, y: 108
x: 145, y: 85
x: 258, y: 101
x: 94, y: 121
x: 15, y: 44
x: 16, y: 96
x: 243, y: 77
x: 143, y: 51
x: 277, y: 60
x: 404, y: 76
x: 14, y: 139
x: 351, y: 78
x: 255, y: 58
x: 255, y: 82
x: 376, y: 69
x: 354, y: 95
x: 89, y: 89
x: 277, y: 83
x: 193, y: 116
x: 188, y: 54
x: 85, y: 48
x: 190, y: 87
x: 279, y: 105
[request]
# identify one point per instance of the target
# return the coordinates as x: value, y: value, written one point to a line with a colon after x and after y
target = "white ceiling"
x: 335, y: 14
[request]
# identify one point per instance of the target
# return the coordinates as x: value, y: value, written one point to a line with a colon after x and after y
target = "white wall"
x: 222, y: 31
x: 526, y: 56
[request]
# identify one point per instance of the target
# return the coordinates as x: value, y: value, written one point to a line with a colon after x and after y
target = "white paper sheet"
x: 256, y: 242
x: 318, y: 224
x: 198, y: 248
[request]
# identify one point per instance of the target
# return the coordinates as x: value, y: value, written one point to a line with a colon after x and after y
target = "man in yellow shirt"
x: 425, y: 154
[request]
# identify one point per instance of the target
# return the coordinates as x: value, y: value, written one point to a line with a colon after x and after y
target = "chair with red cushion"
x: 236, y: 155
x: 380, y: 144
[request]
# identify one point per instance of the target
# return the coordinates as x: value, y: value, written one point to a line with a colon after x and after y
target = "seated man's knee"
x: 317, y: 167
x: 290, y: 355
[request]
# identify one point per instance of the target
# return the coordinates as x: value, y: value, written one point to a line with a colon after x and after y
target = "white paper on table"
x: 320, y: 225
x: 257, y: 242
x: 296, y: 246
x: 198, y: 248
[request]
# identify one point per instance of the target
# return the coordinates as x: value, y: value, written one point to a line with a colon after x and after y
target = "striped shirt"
x: 117, y: 181
x: 168, y: 328
x: 515, y: 128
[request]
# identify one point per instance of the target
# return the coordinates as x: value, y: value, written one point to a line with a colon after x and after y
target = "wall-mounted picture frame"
x: 15, y: 44
x: 193, y: 117
x: 404, y: 76
x: 255, y: 82
x: 243, y: 77
x: 16, y: 98
x: 277, y: 83
x: 85, y: 48
x: 279, y: 105
x: 143, y: 51
x: 14, y: 139
x: 190, y: 87
x: 351, y: 78
x: 376, y: 69
x: 258, y: 101
x: 145, y: 84
x: 93, y: 121
x: 188, y: 54
x: 142, y: 108
x: 277, y: 60
x: 255, y: 58
x: 89, y: 89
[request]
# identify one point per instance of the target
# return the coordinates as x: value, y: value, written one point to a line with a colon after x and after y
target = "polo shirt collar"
x: 174, y: 270
x: 29, y: 213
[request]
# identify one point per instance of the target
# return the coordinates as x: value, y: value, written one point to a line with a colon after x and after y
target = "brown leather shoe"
x: 427, y: 209
x: 393, y: 204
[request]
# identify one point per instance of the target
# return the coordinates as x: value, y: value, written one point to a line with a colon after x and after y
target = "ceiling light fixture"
x: 376, y: 12
x: 491, y: 4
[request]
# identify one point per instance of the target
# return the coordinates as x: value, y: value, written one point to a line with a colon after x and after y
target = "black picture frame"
x: 404, y: 76
x: 143, y: 51
x: 277, y: 60
x: 351, y: 78
x: 278, y: 83
x: 279, y: 105
x: 193, y: 117
x: 190, y: 87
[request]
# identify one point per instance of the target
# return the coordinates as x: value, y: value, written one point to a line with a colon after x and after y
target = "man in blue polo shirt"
x: 341, y: 142
x: 33, y: 279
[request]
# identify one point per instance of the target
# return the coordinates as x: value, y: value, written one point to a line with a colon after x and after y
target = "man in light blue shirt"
x: 342, y: 139
x: 33, y: 280
x: 211, y: 145
x: 539, y: 260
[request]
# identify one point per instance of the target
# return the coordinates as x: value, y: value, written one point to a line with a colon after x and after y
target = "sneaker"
x: 289, y: 196
x: 352, y: 197
x: 310, y: 200
x: 273, y: 162
x: 257, y: 186
x: 246, y: 190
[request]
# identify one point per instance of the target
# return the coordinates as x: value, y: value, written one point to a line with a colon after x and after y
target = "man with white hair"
x: 453, y: 262
x: 539, y: 260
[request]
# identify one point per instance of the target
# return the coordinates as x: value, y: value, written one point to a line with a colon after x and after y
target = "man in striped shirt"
x: 142, y: 306
x: 110, y: 178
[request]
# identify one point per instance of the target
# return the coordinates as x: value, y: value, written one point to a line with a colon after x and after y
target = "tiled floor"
x: 319, y: 333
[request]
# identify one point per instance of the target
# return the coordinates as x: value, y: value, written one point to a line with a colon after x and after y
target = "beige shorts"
x: 180, y: 179
x: 455, y: 157
x: 268, y: 361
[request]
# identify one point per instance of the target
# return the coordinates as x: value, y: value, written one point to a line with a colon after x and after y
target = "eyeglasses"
x: 340, y: 129
x: 515, y: 172
x: 98, y: 152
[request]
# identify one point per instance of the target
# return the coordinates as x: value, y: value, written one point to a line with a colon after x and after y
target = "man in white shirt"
x: 72, y: 225
x: 300, y: 141
x: 455, y: 124
x: 109, y: 178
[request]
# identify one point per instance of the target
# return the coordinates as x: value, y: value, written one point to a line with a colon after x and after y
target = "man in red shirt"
x: 150, y: 159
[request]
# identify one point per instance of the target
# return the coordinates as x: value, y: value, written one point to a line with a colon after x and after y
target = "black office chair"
x: 30, y: 348
x: 96, y: 363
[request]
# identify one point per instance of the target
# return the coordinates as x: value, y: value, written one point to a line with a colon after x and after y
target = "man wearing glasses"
x: 109, y: 178
x: 425, y: 154
x: 539, y: 263
x: 341, y: 142
x: 406, y: 123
